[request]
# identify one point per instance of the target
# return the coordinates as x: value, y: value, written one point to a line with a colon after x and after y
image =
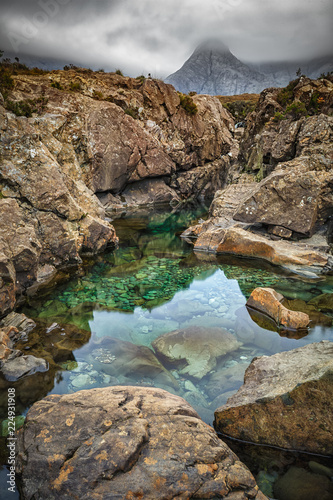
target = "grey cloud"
x: 150, y: 36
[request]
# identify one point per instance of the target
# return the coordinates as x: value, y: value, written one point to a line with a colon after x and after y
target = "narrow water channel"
x: 99, y: 328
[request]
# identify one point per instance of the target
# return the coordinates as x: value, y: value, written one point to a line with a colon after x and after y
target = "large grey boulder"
x: 286, y: 401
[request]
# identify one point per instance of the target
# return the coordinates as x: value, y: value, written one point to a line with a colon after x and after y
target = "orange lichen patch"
x: 150, y: 461
x: 159, y: 483
x: 70, y: 420
x: 43, y: 433
x: 102, y: 456
x: 132, y: 496
x: 63, y: 476
x: 184, y: 477
x: 107, y: 423
x: 89, y: 442
x: 204, y: 468
x: 55, y: 458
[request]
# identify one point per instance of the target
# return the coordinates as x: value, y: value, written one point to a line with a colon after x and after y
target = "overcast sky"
x: 141, y: 36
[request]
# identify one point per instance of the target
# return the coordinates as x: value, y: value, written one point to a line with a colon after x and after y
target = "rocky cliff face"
x: 48, y: 217
x: 287, y: 146
x: 88, y: 137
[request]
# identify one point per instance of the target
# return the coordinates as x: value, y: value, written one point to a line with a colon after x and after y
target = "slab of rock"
x: 14, y: 369
x: 118, y: 357
x: 286, y: 401
x: 149, y: 192
x: 226, y: 201
x: 287, y: 198
x: 125, y: 442
x: 237, y: 241
x: 48, y: 215
x: 268, y: 301
x: 20, y: 321
x: 195, y: 350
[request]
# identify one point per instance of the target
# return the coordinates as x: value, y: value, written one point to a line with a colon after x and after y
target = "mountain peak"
x: 212, y: 45
x: 213, y: 69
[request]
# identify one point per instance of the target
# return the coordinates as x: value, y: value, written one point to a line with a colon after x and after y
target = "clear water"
x: 97, y: 329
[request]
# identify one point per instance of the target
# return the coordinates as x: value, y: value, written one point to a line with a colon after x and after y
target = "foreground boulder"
x: 286, y: 401
x: 268, y: 301
x: 125, y: 442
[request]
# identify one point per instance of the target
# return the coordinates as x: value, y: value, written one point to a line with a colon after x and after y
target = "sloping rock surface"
x: 286, y: 401
x: 126, y: 442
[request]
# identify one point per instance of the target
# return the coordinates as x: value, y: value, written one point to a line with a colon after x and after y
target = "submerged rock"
x: 117, y: 357
x: 323, y: 302
x: 268, y: 301
x: 286, y: 401
x: 299, y: 484
x: 195, y: 350
x: 125, y: 442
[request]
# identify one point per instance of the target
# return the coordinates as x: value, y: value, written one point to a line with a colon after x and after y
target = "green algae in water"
x: 152, y: 285
x: 111, y: 313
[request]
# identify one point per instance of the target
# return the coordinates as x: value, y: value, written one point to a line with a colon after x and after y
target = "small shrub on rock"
x: 27, y: 107
x: 296, y: 109
x: 188, y: 104
x: 6, y: 81
x: 75, y: 86
x: 133, y: 112
x: 57, y: 85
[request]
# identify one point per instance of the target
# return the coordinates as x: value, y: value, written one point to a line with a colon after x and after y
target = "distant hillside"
x: 213, y: 69
x: 283, y: 72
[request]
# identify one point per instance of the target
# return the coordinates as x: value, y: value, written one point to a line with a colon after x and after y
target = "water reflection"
x: 112, y: 313
x: 100, y: 328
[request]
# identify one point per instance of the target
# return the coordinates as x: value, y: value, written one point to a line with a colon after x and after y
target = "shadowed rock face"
x: 286, y: 401
x: 48, y: 216
x: 54, y: 164
x: 126, y: 442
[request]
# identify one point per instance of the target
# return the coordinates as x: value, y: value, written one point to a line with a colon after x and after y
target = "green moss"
x: 286, y: 95
x: 279, y: 116
x: 141, y: 78
x: 239, y: 109
x: 188, y: 104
